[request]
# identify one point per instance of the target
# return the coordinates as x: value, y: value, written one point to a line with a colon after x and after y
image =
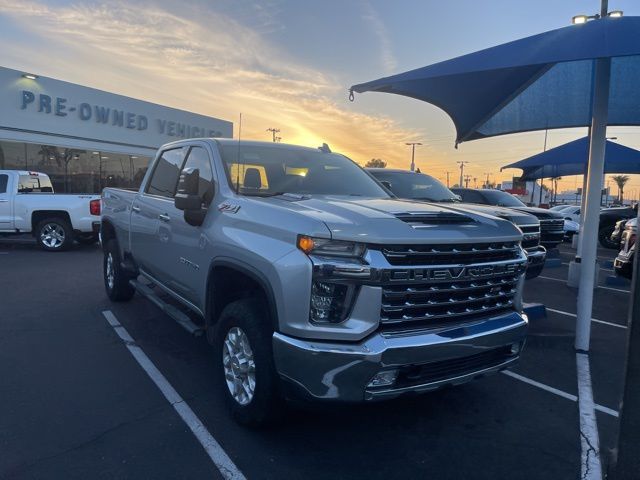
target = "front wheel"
x: 245, y: 358
x: 54, y: 234
x: 604, y: 236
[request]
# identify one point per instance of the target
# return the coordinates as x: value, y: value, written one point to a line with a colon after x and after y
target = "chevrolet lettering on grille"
x: 454, y: 273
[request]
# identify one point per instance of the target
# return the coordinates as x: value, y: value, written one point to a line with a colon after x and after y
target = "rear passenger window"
x: 199, y: 158
x: 4, y: 180
x: 164, y: 179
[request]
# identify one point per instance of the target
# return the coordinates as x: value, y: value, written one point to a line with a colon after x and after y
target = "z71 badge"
x: 228, y: 208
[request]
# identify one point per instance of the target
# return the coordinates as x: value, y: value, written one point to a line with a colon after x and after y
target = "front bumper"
x: 449, y: 355
x: 623, y: 265
x: 535, y: 262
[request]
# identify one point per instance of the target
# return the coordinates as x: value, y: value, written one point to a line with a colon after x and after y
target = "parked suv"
x: 310, y: 279
x: 551, y: 223
x: 425, y: 188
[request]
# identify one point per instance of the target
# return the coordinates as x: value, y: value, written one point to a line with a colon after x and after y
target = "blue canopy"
x: 538, y: 82
x: 572, y: 159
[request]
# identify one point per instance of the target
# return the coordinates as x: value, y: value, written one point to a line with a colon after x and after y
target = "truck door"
x: 151, y: 214
x: 6, y: 215
x: 191, y: 254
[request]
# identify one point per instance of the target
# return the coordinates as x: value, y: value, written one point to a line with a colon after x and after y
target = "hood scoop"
x: 428, y: 219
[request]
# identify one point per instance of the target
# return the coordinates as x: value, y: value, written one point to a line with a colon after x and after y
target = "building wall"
x: 86, y: 139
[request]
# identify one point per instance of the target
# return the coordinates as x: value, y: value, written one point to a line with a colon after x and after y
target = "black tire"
x: 604, y: 236
x: 86, y: 238
x: 54, y: 234
x: 266, y: 406
x: 117, y: 286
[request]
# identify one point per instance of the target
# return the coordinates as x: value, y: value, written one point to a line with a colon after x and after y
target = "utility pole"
x: 462, y: 163
x: 448, y: 178
x: 413, y: 154
x: 273, y: 134
x: 475, y: 182
x: 466, y: 181
x: 486, y: 185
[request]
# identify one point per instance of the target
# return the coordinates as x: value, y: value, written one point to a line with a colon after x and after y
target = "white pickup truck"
x: 28, y: 204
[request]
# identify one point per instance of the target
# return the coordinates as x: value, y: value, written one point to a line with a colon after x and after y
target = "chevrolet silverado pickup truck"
x: 310, y: 279
x: 29, y: 205
x: 425, y: 188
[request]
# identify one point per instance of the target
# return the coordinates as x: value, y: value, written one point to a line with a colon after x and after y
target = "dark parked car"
x: 623, y: 264
x: 608, y: 219
x: 421, y: 187
x: 551, y: 223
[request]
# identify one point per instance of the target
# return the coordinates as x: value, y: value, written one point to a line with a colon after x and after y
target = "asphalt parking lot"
x: 76, y: 404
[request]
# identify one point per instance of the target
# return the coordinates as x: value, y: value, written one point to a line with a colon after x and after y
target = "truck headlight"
x: 329, y: 248
x: 330, y: 301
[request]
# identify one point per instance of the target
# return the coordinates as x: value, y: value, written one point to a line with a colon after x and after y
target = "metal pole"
x: 413, y: 157
x: 595, y: 174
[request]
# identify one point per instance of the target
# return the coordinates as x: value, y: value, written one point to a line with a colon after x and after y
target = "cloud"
x: 202, y: 61
x: 379, y: 29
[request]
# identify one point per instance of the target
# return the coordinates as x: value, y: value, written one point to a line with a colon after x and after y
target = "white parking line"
x: 589, y: 438
x: 595, y: 320
x: 219, y: 457
x: 599, y: 286
x: 555, y: 391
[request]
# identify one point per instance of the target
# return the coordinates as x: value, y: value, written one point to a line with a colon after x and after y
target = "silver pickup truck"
x: 310, y: 279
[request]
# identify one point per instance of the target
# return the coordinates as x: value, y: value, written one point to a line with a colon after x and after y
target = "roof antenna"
x: 238, y: 157
x: 324, y: 148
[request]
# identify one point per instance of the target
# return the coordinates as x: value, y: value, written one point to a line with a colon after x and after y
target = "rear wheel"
x: 116, y: 279
x: 244, y: 350
x: 54, y: 234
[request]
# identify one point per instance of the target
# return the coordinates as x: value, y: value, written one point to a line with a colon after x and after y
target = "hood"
x: 388, y: 220
x: 514, y: 216
x: 571, y: 226
x: 541, y: 213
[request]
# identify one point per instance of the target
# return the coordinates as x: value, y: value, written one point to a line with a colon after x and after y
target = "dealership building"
x: 86, y: 139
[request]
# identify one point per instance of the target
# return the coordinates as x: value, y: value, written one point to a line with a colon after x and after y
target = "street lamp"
x: 413, y: 153
x: 580, y: 19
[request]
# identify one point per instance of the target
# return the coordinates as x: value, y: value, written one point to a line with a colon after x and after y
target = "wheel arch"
x: 234, y: 275
x: 39, y: 215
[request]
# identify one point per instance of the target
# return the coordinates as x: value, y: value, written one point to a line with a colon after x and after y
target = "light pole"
x: 448, y: 178
x: 413, y: 154
x: 486, y: 185
x: 462, y: 164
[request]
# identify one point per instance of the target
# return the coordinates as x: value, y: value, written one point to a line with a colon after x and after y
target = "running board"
x: 181, y: 319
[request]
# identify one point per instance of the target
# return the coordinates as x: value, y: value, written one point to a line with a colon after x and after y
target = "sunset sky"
x: 288, y: 65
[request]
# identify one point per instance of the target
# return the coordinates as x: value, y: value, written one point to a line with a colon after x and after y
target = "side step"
x: 182, y: 319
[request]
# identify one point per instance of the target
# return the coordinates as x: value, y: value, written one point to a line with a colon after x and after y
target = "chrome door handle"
x: 135, y: 208
x: 3, y: 201
x: 164, y: 217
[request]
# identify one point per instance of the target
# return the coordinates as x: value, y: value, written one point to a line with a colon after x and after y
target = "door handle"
x: 135, y: 208
x: 3, y: 201
x: 164, y: 217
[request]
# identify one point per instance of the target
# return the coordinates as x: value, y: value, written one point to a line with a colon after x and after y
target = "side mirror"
x: 187, y: 198
x: 386, y: 184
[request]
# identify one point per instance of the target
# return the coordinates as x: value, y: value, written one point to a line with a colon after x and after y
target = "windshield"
x: 416, y: 186
x: 502, y: 199
x: 263, y: 170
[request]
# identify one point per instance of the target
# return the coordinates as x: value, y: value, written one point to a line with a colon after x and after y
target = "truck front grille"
x: 530, y: 236
x: 551, y: 225
x: 450, y: 254
x: 452, y: 285
x: 436, y: 371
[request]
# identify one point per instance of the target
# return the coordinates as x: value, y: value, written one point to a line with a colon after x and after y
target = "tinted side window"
x: 199, y: 158
x: 4, y: 180
x: 164, y: 179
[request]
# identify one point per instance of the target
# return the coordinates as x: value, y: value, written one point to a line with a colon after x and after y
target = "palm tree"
x: 621, y: 181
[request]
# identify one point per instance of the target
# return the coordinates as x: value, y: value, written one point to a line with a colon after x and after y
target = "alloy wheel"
x: 239, y: 366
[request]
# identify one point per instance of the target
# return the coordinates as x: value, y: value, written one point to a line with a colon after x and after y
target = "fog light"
x: 384, y: 378
x: 515, y: 348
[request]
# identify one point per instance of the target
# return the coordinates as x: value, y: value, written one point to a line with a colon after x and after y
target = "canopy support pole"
x: 595, y: 176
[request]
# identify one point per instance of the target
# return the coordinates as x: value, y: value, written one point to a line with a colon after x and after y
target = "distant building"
x: 86, y: 139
